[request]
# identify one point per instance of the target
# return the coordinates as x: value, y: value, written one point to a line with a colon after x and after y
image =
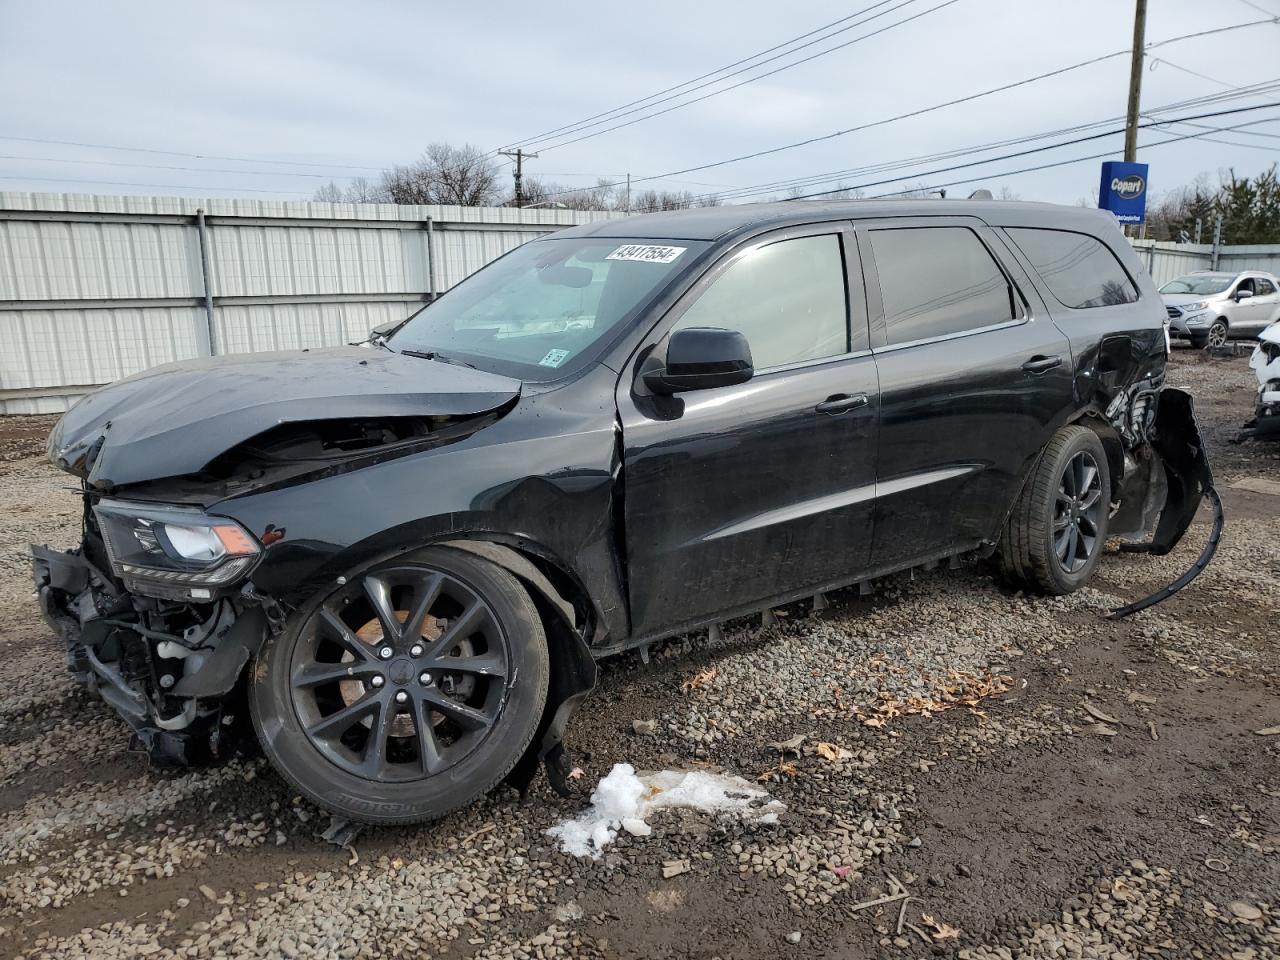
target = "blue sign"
x: 1123, y: 190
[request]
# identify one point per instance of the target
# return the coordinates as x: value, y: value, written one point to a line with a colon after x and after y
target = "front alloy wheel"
x: 1217, y: 336
x: 408, y: 691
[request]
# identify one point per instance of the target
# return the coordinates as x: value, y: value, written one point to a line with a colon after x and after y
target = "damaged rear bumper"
x: 167, y: 668
x: 1178, y: 467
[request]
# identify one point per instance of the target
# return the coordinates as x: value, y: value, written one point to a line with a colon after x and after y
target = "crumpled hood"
x: 173, y: 419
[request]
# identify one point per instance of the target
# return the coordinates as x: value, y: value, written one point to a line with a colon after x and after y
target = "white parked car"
x: 1210, y: 308
x: 1266, y: 365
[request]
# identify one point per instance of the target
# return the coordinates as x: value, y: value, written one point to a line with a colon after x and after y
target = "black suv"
x: 401, y: 559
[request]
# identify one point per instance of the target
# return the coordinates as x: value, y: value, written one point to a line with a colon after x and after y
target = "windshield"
x: 1200, y: 285
x: 545, y: 305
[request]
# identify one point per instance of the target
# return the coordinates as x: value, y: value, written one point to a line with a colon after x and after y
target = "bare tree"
x: 651, y: 201
x: 359, y: 190
x: 464, y: 175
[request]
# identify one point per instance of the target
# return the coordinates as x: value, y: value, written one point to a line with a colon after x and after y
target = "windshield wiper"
x: 437, y: 355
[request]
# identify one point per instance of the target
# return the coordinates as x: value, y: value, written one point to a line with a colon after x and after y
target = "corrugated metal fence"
x: 1165, y: 261
x: 96, y: 288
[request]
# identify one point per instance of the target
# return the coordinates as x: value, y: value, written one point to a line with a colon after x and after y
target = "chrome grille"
x: 1174, y: 312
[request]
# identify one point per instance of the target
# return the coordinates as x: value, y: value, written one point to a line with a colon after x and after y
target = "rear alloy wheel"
x: 1217, y: 335
x: 408, y: 691
x: 1054, y: 536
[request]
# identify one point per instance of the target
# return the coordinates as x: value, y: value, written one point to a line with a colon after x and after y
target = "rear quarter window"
x: 938, y: 282
x: 1079, y: 270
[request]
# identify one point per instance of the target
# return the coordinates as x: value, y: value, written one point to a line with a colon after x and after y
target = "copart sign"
x: 1123, y: 190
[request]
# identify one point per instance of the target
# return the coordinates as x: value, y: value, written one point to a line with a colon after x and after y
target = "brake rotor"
x: 371, y: 634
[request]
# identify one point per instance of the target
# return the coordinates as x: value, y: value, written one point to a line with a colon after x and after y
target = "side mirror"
x: 702, y: 357
x: 1243, y: 295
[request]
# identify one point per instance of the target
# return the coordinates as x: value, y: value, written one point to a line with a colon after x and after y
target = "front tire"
x: 1218, y: 333
x: 408, y: 691
x: 1054, y: 535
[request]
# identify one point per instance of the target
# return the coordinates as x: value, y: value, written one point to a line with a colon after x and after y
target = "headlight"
x: 1193, y: 307
x: 172, y: 552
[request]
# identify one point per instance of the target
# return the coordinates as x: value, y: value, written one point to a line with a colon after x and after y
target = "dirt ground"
x: 1039, y: 781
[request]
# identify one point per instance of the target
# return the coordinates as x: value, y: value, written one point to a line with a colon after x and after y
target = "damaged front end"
x: 1265, y: 363
x: 1165, y: 478
x: 157, y: 623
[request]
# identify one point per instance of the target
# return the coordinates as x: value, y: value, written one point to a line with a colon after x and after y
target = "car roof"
x: 1231, y: 274
x: 716, y: 223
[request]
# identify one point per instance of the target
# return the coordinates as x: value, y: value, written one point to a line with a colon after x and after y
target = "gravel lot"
x: 1038, y: 781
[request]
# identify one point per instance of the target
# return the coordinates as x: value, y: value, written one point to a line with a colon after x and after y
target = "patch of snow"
x: 623, y: 799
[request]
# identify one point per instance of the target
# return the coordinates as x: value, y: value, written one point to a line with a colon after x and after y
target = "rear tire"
x: 408, y: 691
x: 1054, y: 535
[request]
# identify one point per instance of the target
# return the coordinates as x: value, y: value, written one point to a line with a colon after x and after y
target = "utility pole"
x: 518, y: 170
x: 1135, y: 82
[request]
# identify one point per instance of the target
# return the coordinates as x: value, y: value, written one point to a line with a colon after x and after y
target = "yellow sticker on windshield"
x: 646, y: 252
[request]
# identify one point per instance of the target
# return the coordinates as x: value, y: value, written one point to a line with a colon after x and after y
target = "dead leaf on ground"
x: 1268, y: 732
x: 1097, y: 714
x: 829, y: 752
x: 941, y: 931
x: 786, y: 769
x: 700, y: 679
x: 960, y: 689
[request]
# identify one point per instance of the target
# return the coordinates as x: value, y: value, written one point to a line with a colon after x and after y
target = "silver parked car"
x: 1210, y: 308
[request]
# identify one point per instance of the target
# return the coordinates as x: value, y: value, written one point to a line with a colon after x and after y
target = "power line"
x: 935, y: 107
x: 165, y: 166
x: 191, y: 156
x: 1252, y: 133
x: 1261, y: 9
x: 1042, y: 149
x: 1229, y: 143
x: 1268, y: 86
x: 164, y: 186
x: 769, y: 73
x: 579, y: 124
x: 1045, y: 166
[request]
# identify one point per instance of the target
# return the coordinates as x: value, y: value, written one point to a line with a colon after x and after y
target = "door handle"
x: 1039, y: 363
x: 842, y: 402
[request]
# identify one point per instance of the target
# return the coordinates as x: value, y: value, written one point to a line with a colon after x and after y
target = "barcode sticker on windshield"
x: 554, y: 358
x: 646, y: 252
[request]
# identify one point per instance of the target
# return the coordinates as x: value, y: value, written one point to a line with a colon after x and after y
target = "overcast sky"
x: 347, y: 86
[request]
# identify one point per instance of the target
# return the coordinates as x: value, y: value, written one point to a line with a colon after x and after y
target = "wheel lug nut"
x: 424, y: 678
x: 377, y: 680
x: 402, y: 697
x: 385, y: 653
x: 416, y: 650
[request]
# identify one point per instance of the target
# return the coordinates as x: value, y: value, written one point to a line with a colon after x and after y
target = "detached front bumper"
x: 167, y: 668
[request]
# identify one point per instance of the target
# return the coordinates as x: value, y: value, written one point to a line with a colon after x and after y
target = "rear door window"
x: 1079, y: 270
x: 937, y: 282
x: 1265, y: 287
x: 787, y: 298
